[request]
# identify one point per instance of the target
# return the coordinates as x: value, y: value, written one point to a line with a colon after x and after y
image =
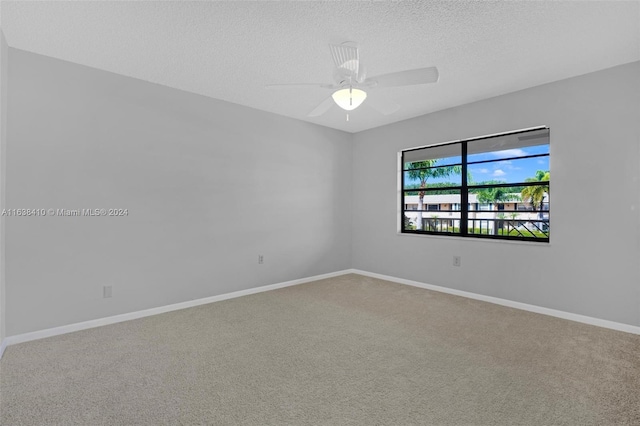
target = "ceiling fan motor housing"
x: 347, y: 61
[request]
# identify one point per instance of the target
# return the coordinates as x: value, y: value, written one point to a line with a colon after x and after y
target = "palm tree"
x: 535, y: 194
x: 495, y: 196
x: 422, y: 171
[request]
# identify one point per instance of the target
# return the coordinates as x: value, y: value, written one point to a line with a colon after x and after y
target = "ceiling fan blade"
x: 383, y: 106
x: 299, y: 85
x: 406, y: 78
x: 322, y: 107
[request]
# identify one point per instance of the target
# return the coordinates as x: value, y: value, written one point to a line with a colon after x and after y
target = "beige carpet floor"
x: 349, y: 350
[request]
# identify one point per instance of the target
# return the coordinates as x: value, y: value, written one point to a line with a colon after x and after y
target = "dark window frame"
x: 464, y: 193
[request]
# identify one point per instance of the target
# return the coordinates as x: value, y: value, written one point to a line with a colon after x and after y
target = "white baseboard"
x: 50, y: 332
x: 628, y: 328
x: 3, y: 346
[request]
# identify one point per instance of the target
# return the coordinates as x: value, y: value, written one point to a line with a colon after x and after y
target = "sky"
x: 509, y: 171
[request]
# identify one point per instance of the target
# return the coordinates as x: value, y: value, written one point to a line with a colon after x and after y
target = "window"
x: 487, y: 187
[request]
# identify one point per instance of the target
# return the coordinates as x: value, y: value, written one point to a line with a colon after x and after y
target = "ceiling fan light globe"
x: 349, y: 99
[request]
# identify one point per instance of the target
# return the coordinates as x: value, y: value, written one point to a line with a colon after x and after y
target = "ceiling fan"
x: 351, y: 84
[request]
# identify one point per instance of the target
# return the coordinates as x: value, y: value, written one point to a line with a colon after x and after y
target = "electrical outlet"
x: 260, y: 259
x: 456, y: 260
x: 106, y: 291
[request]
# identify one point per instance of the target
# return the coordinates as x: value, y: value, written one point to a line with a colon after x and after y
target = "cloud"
x: 481, y: 171
x: 509, y: 153
x: 498, y: 173
x: 507, y: 165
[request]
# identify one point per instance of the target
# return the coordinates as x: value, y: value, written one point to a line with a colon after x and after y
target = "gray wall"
x: 209, y: 185
x: 4, y: 50
x: 591, y: 265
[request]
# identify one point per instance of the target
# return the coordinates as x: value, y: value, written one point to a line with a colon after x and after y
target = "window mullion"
x: 464, y: 193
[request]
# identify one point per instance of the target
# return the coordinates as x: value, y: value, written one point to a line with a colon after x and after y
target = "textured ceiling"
x: 231, y: 50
